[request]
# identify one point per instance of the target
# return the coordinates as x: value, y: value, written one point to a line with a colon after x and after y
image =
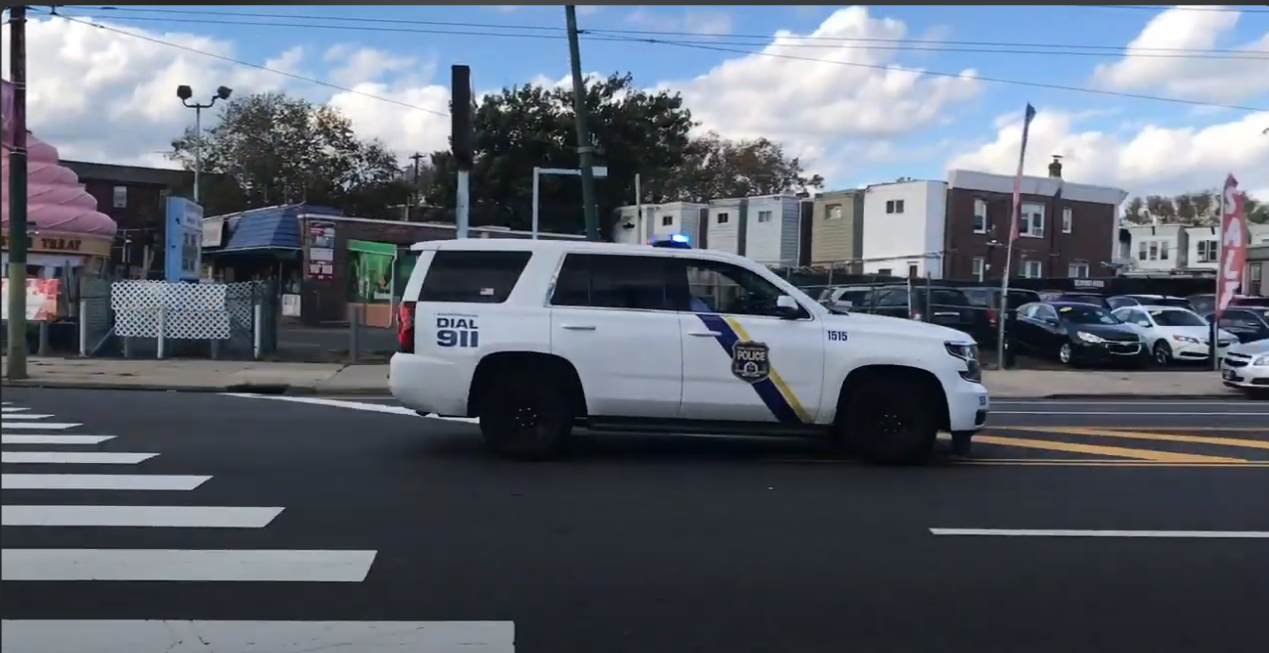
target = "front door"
x: 611, y: 316
x: 740, y: 361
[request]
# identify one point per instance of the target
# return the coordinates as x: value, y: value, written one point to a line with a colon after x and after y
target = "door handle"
x: 704, y: 334
x: 579, y: 327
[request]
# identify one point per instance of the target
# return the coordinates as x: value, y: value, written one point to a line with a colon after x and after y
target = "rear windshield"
x: 472, y: 277
x: 1177, y: 319
x: 1087, y: 315
x: 1167, y: 301
x: 1083, y: 299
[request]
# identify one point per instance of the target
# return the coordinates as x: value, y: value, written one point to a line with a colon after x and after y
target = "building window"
x: 1077, y: 270
x: 1066, y: 220
x: 913, y: 270
x: 667, y: 221
x: 980, y: 217
x: 1207, y: 251
x: 885, y: 272
x: 1163, y: 251
x: 723, y: 218
x: 1254, y: 272
x: 1031, y: 220
x: 1141, y: 251
x: 120, y: 197
x: 834, y: 212
x: 1152, y: 250
x: 894, y: 206
x: 1032, y: 269
x: 979, y: 268
x: 764, y: 216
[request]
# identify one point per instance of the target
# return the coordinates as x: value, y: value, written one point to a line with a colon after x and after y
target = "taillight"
x: 915, y: 315
x: 991, y: 316
x: 405, y: 328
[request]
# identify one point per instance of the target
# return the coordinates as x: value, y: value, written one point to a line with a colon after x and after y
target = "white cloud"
x: 100, y: 95
x: 811, y: 104
x: 1210, y: 79
x: 1153, y: 159
x: 709, y: 22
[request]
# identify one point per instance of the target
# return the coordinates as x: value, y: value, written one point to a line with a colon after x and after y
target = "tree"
x: 1256, y: 210
x: 1135, y: 211
x: 279, y: 150
x: 633, y: 131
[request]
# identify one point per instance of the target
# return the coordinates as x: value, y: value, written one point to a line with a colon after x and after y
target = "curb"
x: 251, y: 388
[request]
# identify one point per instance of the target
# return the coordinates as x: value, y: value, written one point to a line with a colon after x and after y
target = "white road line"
x: 1004, y: 532
x: 1121, y: 412
x: 54, y: 439
x: 138, y: 516
x: 11, y: 416
x: 73, y: 457
x: 153, y: 636
x: 6, y: 424
x: 99, y: 482
x: 8, y: 409
x: 277, y: 565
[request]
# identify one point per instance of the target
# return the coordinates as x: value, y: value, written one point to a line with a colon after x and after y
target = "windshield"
x: 1087, y: 315
x: 1084, y: 299
x: 1177, y: 319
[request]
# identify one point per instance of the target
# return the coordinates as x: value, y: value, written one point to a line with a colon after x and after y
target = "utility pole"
x: 462, y: 143
x: 17, y: 196
x: 418, y: 186
x: 585, y: 153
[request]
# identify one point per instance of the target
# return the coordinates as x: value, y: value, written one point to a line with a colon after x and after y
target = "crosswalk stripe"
x: 320, y: 566
x: 10, y: 409
x: 6, y: 424
x: 54, y: 439
x: 155, y: 636
x: 74, y: 457
x: 138, y: 516
x: 11, y: 416
x: 99, y: 482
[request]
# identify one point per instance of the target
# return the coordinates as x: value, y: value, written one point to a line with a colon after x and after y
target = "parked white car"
x: 1172, y: 333
x: 1246, y: 367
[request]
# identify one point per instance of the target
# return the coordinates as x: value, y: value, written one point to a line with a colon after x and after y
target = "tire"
x: 890, y: 420
x: 526, y: 418
x: 1066, y: 354
x: 1161, y: 354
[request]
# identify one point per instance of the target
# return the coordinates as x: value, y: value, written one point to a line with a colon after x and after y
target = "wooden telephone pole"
x: 17, y: 196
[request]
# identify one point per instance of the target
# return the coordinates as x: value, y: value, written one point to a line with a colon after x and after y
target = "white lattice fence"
x: 193, y: 311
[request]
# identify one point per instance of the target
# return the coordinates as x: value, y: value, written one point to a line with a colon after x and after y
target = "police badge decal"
x: 750, y: 361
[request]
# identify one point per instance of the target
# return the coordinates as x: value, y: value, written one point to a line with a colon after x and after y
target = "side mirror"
x: 787, y: 307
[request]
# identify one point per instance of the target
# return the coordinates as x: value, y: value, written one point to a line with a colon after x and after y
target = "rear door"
x: 612, y: 317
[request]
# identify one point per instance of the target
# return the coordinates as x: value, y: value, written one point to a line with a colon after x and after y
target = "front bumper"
x: 1194, y: 351
x: 968, y: 405
x: 1245, y: 376
x: 1106, y: 351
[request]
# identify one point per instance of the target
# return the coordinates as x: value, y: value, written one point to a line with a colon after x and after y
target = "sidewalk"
x: 372, y: 380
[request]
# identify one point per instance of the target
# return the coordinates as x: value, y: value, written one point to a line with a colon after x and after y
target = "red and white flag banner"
x: 1233, y: 243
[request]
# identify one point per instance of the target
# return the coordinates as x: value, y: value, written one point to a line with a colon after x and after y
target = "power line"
x: 249, y: 64
x: 791, y: 42
x: 510, y: 30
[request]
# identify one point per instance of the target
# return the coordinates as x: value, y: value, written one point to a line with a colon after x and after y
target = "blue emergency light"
x: 673, y: 241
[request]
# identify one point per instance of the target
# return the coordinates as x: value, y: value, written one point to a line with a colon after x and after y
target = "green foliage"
x: 269, y: 148
x: 1199, y: 208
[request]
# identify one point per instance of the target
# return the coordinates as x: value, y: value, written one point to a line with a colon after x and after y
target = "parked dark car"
x: 986, y: 301
x: 1206, y: 303
x: 1120, y: 301
x: 946, y: 306
x: 1248, y: 323
x: 1075, y: 298
x: 846, y: 297
x: 1076, y: 333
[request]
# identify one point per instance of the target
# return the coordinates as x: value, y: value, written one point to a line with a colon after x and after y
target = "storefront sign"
x: 319, y: 237
x: 213, y: 231
x: 65, y: 244
x: 41, y: 299
x: 182, y: 259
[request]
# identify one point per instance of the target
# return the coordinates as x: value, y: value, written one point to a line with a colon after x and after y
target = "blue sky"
x: 1111, y: 139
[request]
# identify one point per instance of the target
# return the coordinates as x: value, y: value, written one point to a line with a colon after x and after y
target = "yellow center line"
x: 1100, y: 450
x: 1159, y: 437
x: 1040, y: 462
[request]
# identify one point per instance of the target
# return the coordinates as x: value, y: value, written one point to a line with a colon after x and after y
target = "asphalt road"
x: 357, y: 513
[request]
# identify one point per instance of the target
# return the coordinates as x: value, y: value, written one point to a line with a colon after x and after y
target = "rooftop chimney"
x: 1055, y: 168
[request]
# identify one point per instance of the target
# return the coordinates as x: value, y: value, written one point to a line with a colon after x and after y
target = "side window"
x: 1046, y: 313
x: 724, y: 288
x: 472, y: 277
x: 893, y: 297
x: 613, y: 281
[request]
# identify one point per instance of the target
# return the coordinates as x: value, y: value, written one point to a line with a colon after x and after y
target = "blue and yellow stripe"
x: 773, y: 391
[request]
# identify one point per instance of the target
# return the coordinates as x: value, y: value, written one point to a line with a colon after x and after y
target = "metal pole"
x: 257, y: 331
x: 537, y: 175
x: 83, y: 327
x: 17, y: 196
x: 462, y: 203
x: 1220, y: 272
x: 198, y: 147
x: 639, y: 207
x: 585, y: 153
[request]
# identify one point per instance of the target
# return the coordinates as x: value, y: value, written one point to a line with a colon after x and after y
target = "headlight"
x: 1088, y: 337
x: 969, y: 353
x: 1263, y: 360
x: 1192, y: 341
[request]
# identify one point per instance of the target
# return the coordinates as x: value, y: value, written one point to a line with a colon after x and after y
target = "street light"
x: 599, y: 172
x: 185, y: 93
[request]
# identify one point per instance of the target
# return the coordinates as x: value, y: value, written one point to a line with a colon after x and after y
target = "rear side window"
x: 472, y: 277
x: 940, y: 297
x: 613, y: 281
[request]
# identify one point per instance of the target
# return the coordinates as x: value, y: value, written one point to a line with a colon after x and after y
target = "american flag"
x: 1017, y: 182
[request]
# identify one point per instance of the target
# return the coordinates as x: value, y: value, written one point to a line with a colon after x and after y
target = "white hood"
x: 1252, y: 348
x: 897, y: 326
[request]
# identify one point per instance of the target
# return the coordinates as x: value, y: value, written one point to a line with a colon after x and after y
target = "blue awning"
x: 269, y: 228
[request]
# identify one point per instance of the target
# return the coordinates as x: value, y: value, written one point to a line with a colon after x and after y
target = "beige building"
x: 837, y: 227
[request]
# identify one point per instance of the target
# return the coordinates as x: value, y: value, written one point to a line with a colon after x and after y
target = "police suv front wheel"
x: 891, y: 421
x: 525, y: 418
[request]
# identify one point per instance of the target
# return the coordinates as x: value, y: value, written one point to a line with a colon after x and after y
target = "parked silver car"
x: 1246, y: 367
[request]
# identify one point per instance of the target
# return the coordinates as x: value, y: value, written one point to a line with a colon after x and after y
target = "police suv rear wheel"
x: 889, y: 421
x: 525, y: 418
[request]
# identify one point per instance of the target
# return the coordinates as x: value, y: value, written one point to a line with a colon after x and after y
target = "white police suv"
x: 536, y: 337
